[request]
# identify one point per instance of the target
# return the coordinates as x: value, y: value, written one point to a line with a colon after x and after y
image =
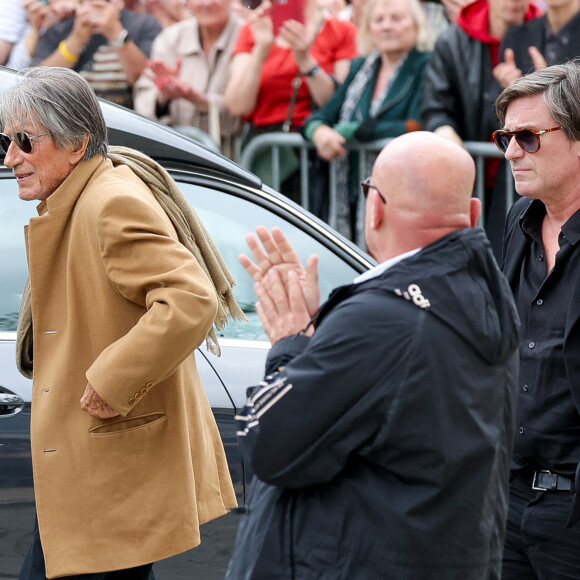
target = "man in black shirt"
x: 540, y: 114
x: 550, y: 39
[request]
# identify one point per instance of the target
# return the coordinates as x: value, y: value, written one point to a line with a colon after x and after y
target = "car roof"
x: 160, y: 142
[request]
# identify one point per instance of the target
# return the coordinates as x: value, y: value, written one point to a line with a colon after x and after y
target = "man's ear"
x: 377, y: 209
x: 475, y: 211
x: 79, y: 152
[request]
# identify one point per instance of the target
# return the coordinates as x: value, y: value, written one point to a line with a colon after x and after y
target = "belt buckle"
x: 534, y: 480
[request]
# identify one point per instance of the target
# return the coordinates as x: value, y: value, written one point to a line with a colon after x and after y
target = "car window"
x: 228, y: 219
x: 14, y: 215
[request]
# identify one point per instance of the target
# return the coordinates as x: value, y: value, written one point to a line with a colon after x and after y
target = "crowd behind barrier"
x: 275, y: 141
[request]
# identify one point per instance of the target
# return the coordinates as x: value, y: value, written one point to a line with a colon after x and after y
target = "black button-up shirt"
x: 548, y: 435
x: 557, y: 48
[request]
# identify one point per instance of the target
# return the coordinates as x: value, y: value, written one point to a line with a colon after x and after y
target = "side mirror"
x: 10, y: 404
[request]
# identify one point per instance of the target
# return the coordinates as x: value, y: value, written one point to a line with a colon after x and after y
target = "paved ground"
x: 207, y: 562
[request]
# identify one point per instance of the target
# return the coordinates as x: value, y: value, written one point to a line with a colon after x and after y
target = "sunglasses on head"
x: 367, y: 185
x: 527, y: 139
x: 23, y: 141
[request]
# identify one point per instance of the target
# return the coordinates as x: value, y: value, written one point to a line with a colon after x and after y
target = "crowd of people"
x: 340, y: 71
x: 359, y: 70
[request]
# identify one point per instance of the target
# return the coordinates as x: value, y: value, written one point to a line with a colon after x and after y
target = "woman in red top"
x: 264, y: 66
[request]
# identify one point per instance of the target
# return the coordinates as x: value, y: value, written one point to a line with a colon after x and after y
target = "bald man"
x: 381, y: 434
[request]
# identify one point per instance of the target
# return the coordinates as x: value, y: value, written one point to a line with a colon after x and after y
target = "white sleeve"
x: 13, y: 20
x: 19, y: 56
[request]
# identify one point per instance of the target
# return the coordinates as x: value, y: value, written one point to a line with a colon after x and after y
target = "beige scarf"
x: 192, y: 234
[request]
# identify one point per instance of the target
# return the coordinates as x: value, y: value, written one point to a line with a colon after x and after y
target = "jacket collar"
x: 190, y: 43
x: 68, y: 192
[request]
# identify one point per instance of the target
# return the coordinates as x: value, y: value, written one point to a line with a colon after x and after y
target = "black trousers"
x: 538, y: 545
x: 34, y: 567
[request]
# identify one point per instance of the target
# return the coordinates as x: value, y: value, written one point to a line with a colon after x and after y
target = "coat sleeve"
x: 330, y: 113
x: 147, y: 29
x: 48, y: 42
x: 173, y: 300
x: 441, y: 102
x: 388, y: 126
x: 301, y: 425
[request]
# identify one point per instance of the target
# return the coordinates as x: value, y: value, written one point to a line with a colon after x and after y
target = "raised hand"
x: 273, y: 251
x: 281, y: 306
x: 537, y: 58
x: 507, y: 72
x: 261, y: 25
x: 296, y: 35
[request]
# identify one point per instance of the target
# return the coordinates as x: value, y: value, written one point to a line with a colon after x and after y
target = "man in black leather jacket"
x: 381, y: 440
x: 460, y: 90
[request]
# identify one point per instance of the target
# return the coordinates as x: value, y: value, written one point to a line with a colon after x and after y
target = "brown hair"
x: 559, y: 86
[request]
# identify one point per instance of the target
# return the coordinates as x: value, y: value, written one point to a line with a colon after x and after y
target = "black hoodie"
x: 382, y: 444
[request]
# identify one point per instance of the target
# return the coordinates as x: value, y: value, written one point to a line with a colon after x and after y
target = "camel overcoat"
x: 119, y: 302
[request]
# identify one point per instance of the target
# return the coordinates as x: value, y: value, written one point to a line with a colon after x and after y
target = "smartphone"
x: 283, y: 10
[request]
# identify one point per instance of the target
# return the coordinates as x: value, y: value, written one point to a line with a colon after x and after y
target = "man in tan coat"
x: 127, y: 458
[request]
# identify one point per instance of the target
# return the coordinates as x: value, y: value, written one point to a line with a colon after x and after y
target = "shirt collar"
x: 531, y: 223
x: 531, y: 220
x: 384, y: 266
x: 571, y: 228
x: 192, y: 44
x: 564, y: 34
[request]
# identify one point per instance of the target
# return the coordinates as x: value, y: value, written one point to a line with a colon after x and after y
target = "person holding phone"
x: 277, y: 79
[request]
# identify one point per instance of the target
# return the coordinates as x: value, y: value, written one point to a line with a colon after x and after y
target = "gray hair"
x: 425, y: 36
x: 559, y: 86
x: 62, y: 102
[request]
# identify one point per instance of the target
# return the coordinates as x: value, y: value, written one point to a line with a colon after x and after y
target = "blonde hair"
x: 425, y: 36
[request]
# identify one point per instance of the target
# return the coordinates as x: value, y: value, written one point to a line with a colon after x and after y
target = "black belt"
x: 547, y: 481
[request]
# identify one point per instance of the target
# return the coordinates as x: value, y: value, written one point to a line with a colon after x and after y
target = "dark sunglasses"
x: 527, y: 139
x: 366, y: 185
x: 23, y: 141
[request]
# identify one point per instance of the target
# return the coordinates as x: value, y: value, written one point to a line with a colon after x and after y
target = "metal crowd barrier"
x: 274, y: 141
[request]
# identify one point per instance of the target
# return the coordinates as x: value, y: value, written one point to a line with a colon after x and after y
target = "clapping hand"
x: 273, y: 252
x: 171, y: 85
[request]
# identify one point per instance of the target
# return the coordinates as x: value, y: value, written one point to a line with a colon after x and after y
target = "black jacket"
x: 533, y: 33
x: 459, y: 87
x: 382, y: 444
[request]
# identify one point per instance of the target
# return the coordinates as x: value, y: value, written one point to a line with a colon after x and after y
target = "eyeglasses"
x: 366, y: 185
x: 527, y: 139
x: 23, y: 141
